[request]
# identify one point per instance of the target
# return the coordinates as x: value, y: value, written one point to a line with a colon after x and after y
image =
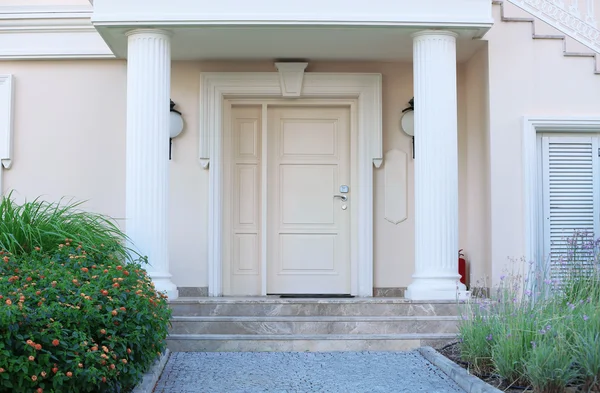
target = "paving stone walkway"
x: 302, y: 372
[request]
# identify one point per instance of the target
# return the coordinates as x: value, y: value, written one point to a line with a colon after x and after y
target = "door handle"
x: 344, y: 198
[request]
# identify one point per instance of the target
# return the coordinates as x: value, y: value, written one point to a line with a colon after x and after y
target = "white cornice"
x: 24, y: 33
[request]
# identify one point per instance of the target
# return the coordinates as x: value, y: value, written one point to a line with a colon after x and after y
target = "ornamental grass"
x: 540, y: 330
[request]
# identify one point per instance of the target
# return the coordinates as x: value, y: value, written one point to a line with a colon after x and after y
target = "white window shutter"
x: 570, y: 196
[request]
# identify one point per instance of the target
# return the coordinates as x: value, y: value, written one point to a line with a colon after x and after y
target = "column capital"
x: 149, y: 32
x: 446, y: 33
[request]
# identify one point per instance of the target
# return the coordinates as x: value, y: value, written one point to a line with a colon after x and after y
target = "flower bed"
x: 539, y: 332
x: 76, y: 317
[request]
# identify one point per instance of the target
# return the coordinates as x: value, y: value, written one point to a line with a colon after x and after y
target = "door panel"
x: 242, y: 198
x: 308, y: 231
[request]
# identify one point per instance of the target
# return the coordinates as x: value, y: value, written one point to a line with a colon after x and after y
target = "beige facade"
x: 70, y: 140
x: 91, y: 129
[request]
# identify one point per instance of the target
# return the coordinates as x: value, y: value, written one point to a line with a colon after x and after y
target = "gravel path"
x: 300, y: 372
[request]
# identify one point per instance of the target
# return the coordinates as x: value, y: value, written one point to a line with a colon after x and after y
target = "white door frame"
x: 532, y: 172
x: 365, y: 88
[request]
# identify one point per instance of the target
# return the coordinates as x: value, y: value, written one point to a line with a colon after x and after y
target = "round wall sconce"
x: 407, y: 122
x: 175, y: 125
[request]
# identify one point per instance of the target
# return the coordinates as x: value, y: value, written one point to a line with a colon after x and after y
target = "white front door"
x: 308, y: 230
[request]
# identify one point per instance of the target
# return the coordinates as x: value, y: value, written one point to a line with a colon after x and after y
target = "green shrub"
x: 45, y: 225
x: 77, y: 320
x: 544, y: 331
x: 477, y: 336
x: 549, y: 364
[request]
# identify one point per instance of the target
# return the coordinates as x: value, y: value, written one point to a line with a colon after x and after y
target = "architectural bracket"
x: 291, y: 76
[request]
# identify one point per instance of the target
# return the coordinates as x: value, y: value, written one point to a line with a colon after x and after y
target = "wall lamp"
x: 407, y: 122
x: 175, y: 125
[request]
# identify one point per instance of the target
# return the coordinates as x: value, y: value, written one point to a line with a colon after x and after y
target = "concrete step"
x: 289, y: 325
x: 274, y: 306
x: 304, y: 342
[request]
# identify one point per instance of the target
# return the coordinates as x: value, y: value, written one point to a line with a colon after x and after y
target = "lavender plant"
x: 540, y: 329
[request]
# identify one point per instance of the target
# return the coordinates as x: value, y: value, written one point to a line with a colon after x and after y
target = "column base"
x: 436, y: 289
x: 165, y: 285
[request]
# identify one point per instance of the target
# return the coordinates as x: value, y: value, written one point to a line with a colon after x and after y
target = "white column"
x: 436, y: 168
x: 147, y: 172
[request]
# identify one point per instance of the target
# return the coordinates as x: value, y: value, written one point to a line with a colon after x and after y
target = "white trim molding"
x: 6, y: 124
x: 50, y: 32
x: 531, y: 191
x: 365, y: 88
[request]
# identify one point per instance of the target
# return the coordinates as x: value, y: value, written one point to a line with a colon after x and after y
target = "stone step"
x: 274, y: 306
x: 294, y: 325
x: 304, y: 342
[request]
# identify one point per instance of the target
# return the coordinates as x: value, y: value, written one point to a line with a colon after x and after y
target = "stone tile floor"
x: 300, y: 372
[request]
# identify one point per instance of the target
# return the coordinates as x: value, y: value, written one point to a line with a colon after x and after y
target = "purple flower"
x: 533, y: 344
x: 585, y: 317
x: 502, y: 277
x: 528, y: 292
x: 489, y: 337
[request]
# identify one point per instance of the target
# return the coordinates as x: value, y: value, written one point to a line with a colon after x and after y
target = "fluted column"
x: 436, y: 167
x: 147, y: 172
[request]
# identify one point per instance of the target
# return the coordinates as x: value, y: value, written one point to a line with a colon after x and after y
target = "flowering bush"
x: 77, y: 319
x: 540, y: 330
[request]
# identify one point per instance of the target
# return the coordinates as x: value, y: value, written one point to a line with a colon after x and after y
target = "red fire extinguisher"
x: 462, y: 267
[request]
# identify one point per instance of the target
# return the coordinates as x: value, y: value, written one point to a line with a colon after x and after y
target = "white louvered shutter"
x: 570, y: 196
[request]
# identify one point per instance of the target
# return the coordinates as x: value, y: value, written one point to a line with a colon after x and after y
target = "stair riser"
x: 298, y: 345
x: 311, y: 327
x: 314, y: 309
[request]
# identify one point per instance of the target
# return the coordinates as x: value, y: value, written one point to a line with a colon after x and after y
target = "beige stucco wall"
x: 527, y: 78
x: 475, y: 153
x: 70, y: 140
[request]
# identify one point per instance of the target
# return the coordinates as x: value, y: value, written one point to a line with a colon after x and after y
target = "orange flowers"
x: 114, y: 313
x: 43, y: 374
x: 53, y: 283
x: 31, y: 358
x: 34, y: 378
x: 69, y: 374
x: 116, y: 285
x: 8, y: 302
x: 84, y: 269
x: 54, y: 370
x: 124, y: 361
x: 1, y: 370
x: 55, y: 342
x: 128, y: 350
x: 80, y: 365
x: 102, y: 331
x: 40, y: 390
x: 104, y: 292
x: 6, y: 259
x: 119, y: 267
x: 123, y: 309
x: 38, y: 346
